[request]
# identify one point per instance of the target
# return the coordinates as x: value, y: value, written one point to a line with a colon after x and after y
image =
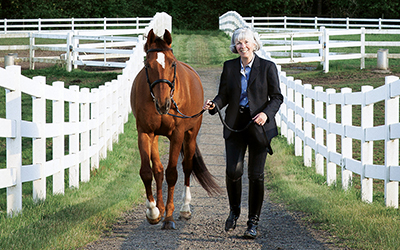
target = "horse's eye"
x: 173, y: 64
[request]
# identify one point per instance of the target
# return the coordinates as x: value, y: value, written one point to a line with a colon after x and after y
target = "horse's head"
x: 160, y: 66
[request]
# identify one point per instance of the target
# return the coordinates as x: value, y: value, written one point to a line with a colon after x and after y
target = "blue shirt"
x: 245, y: 73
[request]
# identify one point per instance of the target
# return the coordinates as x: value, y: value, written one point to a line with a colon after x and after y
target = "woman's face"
x: 245, y: 48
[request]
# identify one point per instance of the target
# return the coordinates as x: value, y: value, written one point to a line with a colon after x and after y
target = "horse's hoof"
x: 168, y: 225
x: 185, y: 215
x: 154, y: 221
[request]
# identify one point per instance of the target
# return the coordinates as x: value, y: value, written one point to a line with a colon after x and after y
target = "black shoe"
x: 231, y: 221
x: 251, y: 231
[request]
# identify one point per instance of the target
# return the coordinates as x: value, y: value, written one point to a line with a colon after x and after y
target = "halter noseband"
x: 170, y: 84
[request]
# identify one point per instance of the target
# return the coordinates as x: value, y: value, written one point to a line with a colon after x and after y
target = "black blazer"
x: 263, y: 92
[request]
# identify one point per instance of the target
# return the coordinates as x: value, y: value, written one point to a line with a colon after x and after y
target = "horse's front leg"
x: 158, y: 172
x: 145, y: 142
x: 171, y: 175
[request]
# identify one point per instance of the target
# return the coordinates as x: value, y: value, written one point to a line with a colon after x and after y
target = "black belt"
x: 243, y: 109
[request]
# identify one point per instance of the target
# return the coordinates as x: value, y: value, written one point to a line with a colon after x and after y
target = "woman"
x: 249, y: 87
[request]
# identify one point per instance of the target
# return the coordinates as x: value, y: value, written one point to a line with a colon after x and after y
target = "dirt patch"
x: 317, y: 77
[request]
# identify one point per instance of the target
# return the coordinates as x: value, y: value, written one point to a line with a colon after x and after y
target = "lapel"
x: 236, y: 73
x: 255, y: 69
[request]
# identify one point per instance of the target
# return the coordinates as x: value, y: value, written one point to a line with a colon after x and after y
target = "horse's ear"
x: 151, y: 37
x: 167, y: 37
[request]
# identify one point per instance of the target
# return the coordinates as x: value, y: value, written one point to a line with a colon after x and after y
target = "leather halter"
x: 170, y: 84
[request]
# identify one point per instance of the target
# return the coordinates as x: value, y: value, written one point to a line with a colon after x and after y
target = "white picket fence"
x: 90, y: 47
x: 307, y: 109
x: 285, y: 46
x: 96, y: 118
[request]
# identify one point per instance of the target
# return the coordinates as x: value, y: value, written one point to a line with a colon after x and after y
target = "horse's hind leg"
x: 153, y: 214
x: 189, y: 147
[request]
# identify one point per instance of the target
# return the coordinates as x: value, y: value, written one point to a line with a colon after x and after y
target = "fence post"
x: 5, y: 25
x: 69, y: 50
x: 321, y: 40
x: 74, y: 138
x: 108, y: 116
x: 94, y: 135
x: 283, y: 107
x: 362, y: 38
x: 75, y: 44
x: 58, y: 140
x: 14, y: 145
x: 319, y: 132
x: 115, y: 110
x: 102, y: 115
x: 284, y: 22
x: 39, y: 144
x: 347, y: 142
x: 298, y: 143
x: 347, y: 23
x: 326, y: 50
x: 367, y: 147
x: 85, y: 168
x: 315, y: 22
x: 39, y: 25
x: 307, y: 126
x: 31, y: 51
x: 290, y: 111
x: 391, y: 145
x: 330, y: 139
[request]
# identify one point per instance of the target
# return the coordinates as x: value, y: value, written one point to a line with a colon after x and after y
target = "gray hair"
x: 245, y: 33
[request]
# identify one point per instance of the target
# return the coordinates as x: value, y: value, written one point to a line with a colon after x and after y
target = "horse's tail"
x: 203, y: 176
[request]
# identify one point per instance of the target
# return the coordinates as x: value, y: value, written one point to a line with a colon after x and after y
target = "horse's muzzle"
x: 163, y: 108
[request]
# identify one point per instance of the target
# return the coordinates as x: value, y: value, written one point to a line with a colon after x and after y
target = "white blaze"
x: 161, y: 59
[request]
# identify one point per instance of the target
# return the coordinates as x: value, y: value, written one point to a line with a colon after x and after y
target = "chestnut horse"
x: 163, y: 91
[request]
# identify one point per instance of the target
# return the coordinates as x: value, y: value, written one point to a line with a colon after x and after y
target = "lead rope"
x: 182, y: 115
x: 226, y: 125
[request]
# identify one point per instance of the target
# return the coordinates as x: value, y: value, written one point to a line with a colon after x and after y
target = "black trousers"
x: 236, y: 146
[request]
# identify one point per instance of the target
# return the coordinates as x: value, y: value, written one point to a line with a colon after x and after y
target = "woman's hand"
x: 208, y: 105
x: 261, y: 118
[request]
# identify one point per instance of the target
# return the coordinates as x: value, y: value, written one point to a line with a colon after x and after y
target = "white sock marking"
x: 186, y: 197
x: 152, y: 211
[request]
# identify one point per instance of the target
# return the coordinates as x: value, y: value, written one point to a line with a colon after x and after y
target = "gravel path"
x: 279, y: 229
